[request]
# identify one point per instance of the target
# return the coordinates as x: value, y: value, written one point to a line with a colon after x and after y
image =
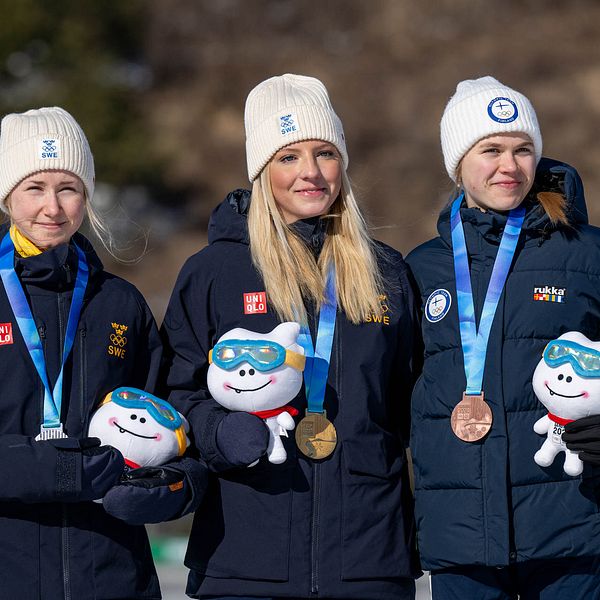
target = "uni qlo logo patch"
x: 255, y: 303
x: 6, y: 336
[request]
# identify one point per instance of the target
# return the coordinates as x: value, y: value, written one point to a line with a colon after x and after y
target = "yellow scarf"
x: 23, y: 246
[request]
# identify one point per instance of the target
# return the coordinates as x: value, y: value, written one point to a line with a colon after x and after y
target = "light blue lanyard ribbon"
x: 475, y: 342
x: 28, y: 329
x: 318, y: 357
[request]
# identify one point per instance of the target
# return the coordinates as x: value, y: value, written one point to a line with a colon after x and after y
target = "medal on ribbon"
x: 472, y: 418
x: 316, y: 436
x: 51, y: 427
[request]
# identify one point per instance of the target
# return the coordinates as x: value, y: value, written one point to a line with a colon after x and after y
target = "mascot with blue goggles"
x: 567, y: 383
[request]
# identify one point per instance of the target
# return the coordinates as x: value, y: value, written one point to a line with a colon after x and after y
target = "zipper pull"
x: 67, y: 269
x: 42, y: 332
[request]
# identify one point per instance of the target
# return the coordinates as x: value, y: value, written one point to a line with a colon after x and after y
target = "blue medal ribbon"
x: 22, y: 311
x: 474, y: 341
x: 318, y: 357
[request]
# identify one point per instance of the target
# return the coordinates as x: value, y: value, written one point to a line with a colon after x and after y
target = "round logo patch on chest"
x: 437, y: 305
x: 502, y: 110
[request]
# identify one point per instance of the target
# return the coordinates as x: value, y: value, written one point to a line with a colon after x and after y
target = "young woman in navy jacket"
x: 69, y: 333
x: 336, y: 525
x: 491, y: 522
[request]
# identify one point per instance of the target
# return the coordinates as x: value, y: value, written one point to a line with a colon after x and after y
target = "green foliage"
x: 86, y: 56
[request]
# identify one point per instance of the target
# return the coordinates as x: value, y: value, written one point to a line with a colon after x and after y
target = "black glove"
x: 157, y: 494
x: 101, y: 468
x: 242, y: 438
x: 583, y: 436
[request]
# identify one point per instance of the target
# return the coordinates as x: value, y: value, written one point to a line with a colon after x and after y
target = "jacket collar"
x: 55, y: 268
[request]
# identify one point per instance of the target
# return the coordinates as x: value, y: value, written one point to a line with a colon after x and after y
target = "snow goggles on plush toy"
x: 262, y: 355
x: 160, y: 410
x: 585, y: 361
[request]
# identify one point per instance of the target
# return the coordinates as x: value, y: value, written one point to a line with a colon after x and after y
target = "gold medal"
x: 471, y: 418
x: 316, y: 436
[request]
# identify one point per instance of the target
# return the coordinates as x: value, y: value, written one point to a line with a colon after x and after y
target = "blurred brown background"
x: 159, y: 86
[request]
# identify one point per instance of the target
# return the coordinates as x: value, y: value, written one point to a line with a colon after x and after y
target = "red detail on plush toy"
x: 131, y: 464
x: 265, y: 414
x: 559, y: 420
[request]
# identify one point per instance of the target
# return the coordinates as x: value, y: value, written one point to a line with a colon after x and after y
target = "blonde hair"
x: 289, y: 270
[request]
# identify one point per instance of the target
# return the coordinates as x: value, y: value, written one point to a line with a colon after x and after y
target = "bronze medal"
x: 471, y: 418
x: 316, y: 436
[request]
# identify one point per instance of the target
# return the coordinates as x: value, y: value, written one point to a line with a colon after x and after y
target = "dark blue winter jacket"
x: 337, y: 528
x: 488, y: 502
x: 53, y: 546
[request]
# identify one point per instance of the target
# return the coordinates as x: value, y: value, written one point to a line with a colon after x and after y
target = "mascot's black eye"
x: 561, y: 377
x: 251, y: 372
x: 569, y: 379
x: 242, y: 373
x: 142, y: 420
x: 133, y: 417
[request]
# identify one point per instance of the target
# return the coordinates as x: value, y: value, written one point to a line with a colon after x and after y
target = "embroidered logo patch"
x: 118, y: 340
x: 6, y: 336
x: 502, y: 110
x: 255, y: 303
x: 49, y: 148
x: 437, y: 306
x: 549, y: 293
x: 288, y: 124
x: 382, y: 317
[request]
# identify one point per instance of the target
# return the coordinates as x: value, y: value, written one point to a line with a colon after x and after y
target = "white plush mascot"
x: 567, y: 383
x: 259, y: 373
x: 147, y: 430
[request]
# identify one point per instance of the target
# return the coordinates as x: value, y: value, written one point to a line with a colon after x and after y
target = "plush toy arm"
x: 286, y: 421
x: 583, y: 436
x: 157, y: 494
x: 59, y: 470
x: 542, y: 425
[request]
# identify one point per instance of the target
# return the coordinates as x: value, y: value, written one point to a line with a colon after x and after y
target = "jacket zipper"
x: 65, y: 553
x: 316, y: 492
x: 82, y: 373
x: 314, y: 548
x: 42, y: 334
x: 65, y: 516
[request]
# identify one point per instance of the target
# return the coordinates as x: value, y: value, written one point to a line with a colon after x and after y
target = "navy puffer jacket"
x: 488, y: 502
x: 337, y: 528
x: 53, y: 546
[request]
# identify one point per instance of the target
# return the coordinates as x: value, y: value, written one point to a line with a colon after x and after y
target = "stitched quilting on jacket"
x: 488, y: 502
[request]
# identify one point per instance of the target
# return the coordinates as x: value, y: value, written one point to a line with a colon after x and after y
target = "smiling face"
x: 135, y: 433
x: 563, y: 392
x: 306, y: 179
x: 498, y: 171
x: 47, y: 207
x: 244, y: 387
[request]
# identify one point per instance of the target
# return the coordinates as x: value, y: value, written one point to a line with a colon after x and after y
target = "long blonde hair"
x: 289, y: 270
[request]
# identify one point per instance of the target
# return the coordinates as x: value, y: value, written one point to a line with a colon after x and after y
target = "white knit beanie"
x: 483, y: 107
x: 284, y: 110
x: 39, y: 140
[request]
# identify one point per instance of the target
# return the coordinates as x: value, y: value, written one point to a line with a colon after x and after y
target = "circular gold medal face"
x: 471, y: 418
x: 316, y: 436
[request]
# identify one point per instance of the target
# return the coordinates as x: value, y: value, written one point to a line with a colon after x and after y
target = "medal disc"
x: 316, y: 436
x: 471, y: 418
